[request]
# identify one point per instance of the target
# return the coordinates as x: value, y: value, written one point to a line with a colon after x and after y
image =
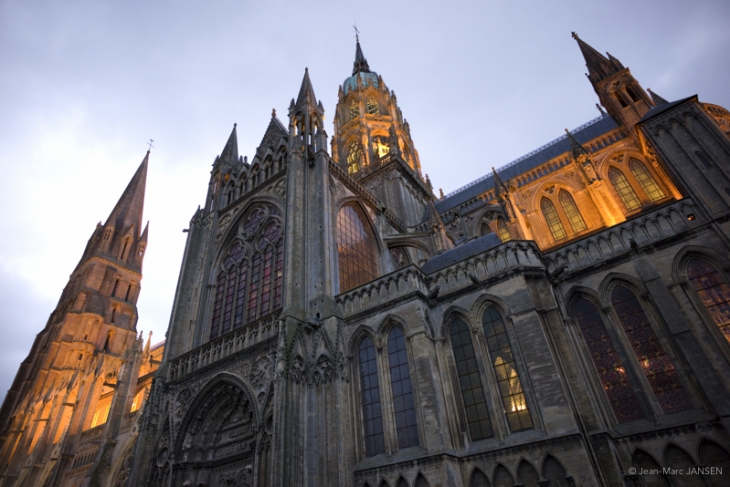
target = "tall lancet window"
x: 508, y: 379
x: 249, y: 284
x: 372, y: 415
x: 571, y: 210
x: 646, y: 180
x: 624, y: 189
x: 653, y: 359
x: 713, y: 291
x: 553, y: 220
x: 470, y: 383
x: 354, y: 156
x: 355, y: 248
x: 400, y: 381
x: 611, y: 370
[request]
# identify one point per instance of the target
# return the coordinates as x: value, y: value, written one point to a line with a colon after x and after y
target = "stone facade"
x: 564, y: 321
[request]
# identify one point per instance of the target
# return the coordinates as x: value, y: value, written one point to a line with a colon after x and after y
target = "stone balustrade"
x: 224, y: 346
x: 619, y: 240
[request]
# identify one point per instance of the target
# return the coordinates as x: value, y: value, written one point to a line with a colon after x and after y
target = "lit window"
x: 372, y: 416
x: 101, y: 414
x: 646, y: 180
x: 400, y: 381
x: 608, y: 364
x: 624, y: 189
x: 354, y: 109
x: 571, y: 210
x: 655, y: 364
x: 372, y: 105
x: 355, y: 249
x: 553, y: 220
x: 508, y: 380
x: 354, y: 155
x: 137, y: 402
x: 381, y: 146
x: 470, y: 384
x: 502, y: 230
x: 713, y: 291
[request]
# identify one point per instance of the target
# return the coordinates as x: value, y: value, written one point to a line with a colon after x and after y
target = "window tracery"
x: 372, y: 416
x: 354, y: 109
x: 502, y: 230
x: 249, y: 284
x: 400, y: 381
x: 625, y: 192
x: 571, y: 211
x: 646, y: 180
x: 653, y: 360
x: 355, y: 248
x: 714, y: 292
x: 372, y: 106
x: 381, y: 146
x: 553, y: 220
x: 354, y: 156
x: 472, y: 393
x: 609, y: 366
x: 505, y: 369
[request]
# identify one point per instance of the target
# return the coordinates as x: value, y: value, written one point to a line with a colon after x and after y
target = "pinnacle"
x: 599, y: 67
x: 361, y: 64
x: 658, y: 100
x: 306, y: 92
x: 230, y: 151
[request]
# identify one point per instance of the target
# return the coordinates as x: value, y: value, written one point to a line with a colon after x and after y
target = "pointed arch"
x: 502, y: 477
x: 624, y: 189
x: 400, y: 381
x: 606, y: 360
x: 554, y: 472
x: 527, y: 475
x: 420, y: 481
x: 646, y: 180
x: 710, y: 453
x: 654, y: 361
x: 713, y: 291
x: 502, y: 231
x: 478, y: 479
x: 571, y: 211
x: 383, y: 483
x: 401, y: 482
x: 372, y: 416
x: 642, y: 460
x: 470, y: 384
x: 356, y: 248
x: 505, y: 369
x: 557, y: 230
x: 677, y: 458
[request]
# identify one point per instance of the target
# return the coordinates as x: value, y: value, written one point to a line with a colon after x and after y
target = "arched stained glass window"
x: 552, y: 219
x: 472, y: 393
x: 400, y: 381
x: 624, y: 189
x: 355, y: 249
x: 372, y: 416
x: 646, y: 180
x: 653, y: 359
x: 571, y: 210
x: 608, y: 364
x: 508, y: 379
x: 502, y: 230
x: 250, y: 287
x: 354, y: 155
x: 713, y: 291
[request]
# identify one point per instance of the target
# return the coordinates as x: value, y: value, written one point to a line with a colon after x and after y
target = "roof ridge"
x: 529, y: 154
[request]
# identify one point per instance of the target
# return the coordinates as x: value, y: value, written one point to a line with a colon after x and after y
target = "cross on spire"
x: 357, y: 32
x: 150, y: 144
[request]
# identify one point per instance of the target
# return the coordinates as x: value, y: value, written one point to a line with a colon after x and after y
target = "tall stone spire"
x: 599, y: 66
x: 230, y: 151
x: 128, y: 210
x: 306, y: 93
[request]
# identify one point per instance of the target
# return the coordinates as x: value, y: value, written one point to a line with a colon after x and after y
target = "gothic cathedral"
x: 562, y: 321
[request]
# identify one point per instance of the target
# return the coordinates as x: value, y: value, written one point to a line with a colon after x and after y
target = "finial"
x: 235, y: 125
x: 575, y: 36
x: 273, y: 113
x: 441, y: 193
x: 600, y: 109
x: 151, y: 146
x: 357, y: 32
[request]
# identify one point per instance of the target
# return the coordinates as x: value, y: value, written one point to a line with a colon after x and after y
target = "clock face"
x: 373, y: 107
x: 354, y: 109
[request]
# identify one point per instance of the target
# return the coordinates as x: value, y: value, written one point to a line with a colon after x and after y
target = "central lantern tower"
x: 368, y: 123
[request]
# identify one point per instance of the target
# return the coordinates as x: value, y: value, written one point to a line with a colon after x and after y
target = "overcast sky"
x: 84, y: 86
